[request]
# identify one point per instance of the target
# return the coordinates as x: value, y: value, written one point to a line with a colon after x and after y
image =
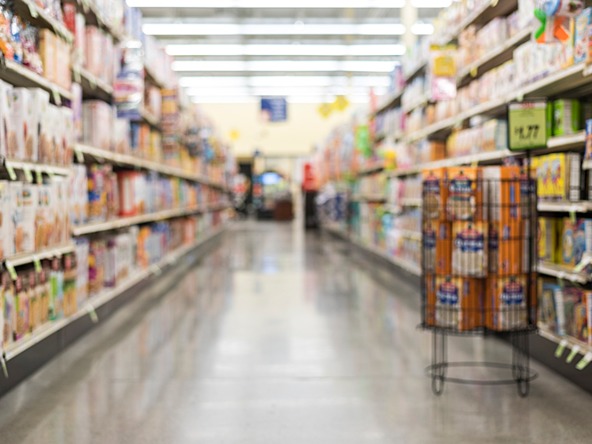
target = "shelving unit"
x: 47, y: 253
x: 21, y: 76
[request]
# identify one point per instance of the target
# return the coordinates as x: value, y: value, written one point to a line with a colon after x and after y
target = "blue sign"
x: 274, y: 109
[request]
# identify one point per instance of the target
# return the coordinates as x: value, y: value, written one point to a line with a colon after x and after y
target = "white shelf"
x: 126, y: 159
x: 33, y: 167
x: 19, y: 75
x: 136, y: 276
x: 411, y: 202
x: 571, y: 141
x: 565, y: 206
x: 150, y: 119
x: 369, y: 198
x: 421, y: 102
x: 495, y: 55
x: 371, y: 169
x: 405, y: 172
x: 568, y: 341
x: 409, y: 234
x: 152, y: 78
x: 123, y: 222
x: 92, y: 86
x: 417, y: 69
x: 389, y: 101
x: 47, y: 253
x: 93, y: 16
x: 563, y: 273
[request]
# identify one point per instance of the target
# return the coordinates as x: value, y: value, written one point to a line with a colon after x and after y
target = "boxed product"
x: 62, y: 64
x: 43, y: 295
x: 506, y: 305
x: 70, y: 302
x: 8, y: 142
x: 435, y: 194
x: 43, y: 219
x: 547, y: 239
x: 22, y: 306
x: 34, y: 302
x: 6, y: 214
x: 558, y: 176
x: 82, y: 267
x: 110, y: 275
x: 96, y: 266
x: 469, y: 252
x: 465, y: 194
x: 48, y: 53
x: 457, y: 303
x: 581, y: 309
x: 21, y: 112
x: 9, y: 308
x: 575, y: 239
x: 582, y: 23
x: 56, y: 286
x: 437, y: 246
x: 46, y: 149
x: 503, y: 191
x: 97, y: 196
x: 566, y: 117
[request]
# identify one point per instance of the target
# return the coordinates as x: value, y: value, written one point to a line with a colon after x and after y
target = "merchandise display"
x: 99, y: 196
x: 445, y: 117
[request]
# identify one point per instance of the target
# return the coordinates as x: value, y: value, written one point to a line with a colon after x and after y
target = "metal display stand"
x: 479, y: 268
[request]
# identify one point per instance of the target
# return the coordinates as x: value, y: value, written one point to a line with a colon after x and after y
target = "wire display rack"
x: 479, y: 278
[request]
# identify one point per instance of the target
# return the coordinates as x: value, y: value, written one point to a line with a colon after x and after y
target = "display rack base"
x: 34, y: 357
x: 519, y: 371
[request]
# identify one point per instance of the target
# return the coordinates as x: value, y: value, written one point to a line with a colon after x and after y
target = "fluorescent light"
x: 268, y: 4
x: 291, y: 99
x: 210, y: 29
x: 282, y: 81
x: 431, y: 3
x: 285, y: 50
x: 283, y: 66
x: 422, y: 29
x: 280, y: 91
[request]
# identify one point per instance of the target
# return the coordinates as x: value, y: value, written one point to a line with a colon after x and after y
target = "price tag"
x: 574, y: 351
x: 584, y: 361
x: 94, y: 317
x: 28, y: 174
x: 4, y: 366
x: 79, y: 156
x: 494, y: 3
x: 33, y: 10
x: 37, y: 264
x: 560, y: 348
x: 76, y: 74
x: 527, y: 125
x: 93, y: 82
x: 56, y: 96
x: 473, y: 71
x: 572, y: 216
x: 11, y: 172
x: 11, y: 271
x: 39, y: 175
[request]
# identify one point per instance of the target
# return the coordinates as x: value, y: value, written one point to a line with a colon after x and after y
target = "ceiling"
x: 237, y: 50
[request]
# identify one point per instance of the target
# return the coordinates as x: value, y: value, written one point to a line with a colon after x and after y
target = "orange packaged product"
x: 437, y: 247
x: 469, y: 251
x: 502, y: 187
x: 506, y: 305
x: 465, y: 194
x: 458, y: 303
x: 505, y: 248
x: 435, y: 194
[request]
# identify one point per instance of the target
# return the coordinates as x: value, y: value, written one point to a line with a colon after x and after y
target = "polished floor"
x: 275, y: 338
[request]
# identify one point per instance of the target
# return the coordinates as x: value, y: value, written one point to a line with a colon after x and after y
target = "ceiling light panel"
x: 422, y: 29
x: 285, y: 50
x: 268, y: 4
x: 210, y: 29
x: 281, y: 81
x: 283, y: 66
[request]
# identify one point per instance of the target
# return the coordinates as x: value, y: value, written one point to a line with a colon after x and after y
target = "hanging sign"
x: 274, y: 109
x: 527, y: 125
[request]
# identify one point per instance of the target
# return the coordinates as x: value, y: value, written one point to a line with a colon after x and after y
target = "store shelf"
x: 416, y: 70
x: 34, y: 167
x: 369, y: 198
x: 419, y: 103
x: 563, y: 273
x: 410, y: 234
x: 567, y: 142
x: 494, y: 57
x: 371, y: 169
x: 481, y: 15
x: 31, y: 12
x: 125, y: 159
x: 567, y: 341
x: 218, y: 207
x: 94, y: 17
x: 150, y: 118
x: 47, y: 253
x: 389, y: 101
x: 19, y: 75
x: 150, y: 77
x: 123, y: 222
x: 411, y: 171
x: 136, y: 276
x: 565, y: 206
x: 92, y: 86
x: 412, y: 202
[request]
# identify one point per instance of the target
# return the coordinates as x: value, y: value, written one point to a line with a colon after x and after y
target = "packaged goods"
x: 82, y: 269
x: 457, y: 303
x: 9, y: 327
x: 558, y: 176
x: 465, y: 194
x: 469, y: 253
x: 547, y: 304
x: 6, y: 227
x: 506, y: 305
x: 44, y: 295
x: 22, y: 307
x: 34, y: 302
x: 566, y: 117
x: 56, y: 287
x: 48, y: 52
x: 547, y: 239
x: 575, y: 240
x: 435, y: 194
x: 96, y: 266
x: 8, y: 140
x: 69, y: 273
x: 583, y: 22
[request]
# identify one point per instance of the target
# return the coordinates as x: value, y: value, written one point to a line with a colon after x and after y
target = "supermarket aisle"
x: 277, y: 338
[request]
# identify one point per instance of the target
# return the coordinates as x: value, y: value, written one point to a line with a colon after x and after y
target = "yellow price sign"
x: 325, y: 110
x: 340, y: 103
x: 527, y: 125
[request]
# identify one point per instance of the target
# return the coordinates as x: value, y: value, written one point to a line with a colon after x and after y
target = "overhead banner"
x: 274, y: 109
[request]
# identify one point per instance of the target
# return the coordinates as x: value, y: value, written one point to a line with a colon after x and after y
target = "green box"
x: 566, y: 117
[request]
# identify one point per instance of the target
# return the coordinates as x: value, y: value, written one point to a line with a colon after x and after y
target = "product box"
x: 82, y: 267
x: 30, y: 200
x: 96, y: 269
x: 435, y: 194
x: 581, y: 331
x: 9, y: 309
x: 588, y: 155
x: 44, y: 295
x: 469, y: 251
x: 48, y: 53
x: 505, y: 248
x: 70, y: 302
x: 46, y: 147
x: 22, y: 307
x: 506, y: 306
x: 503, y: 194
x: 465, y: 194
x: 6, y: 226
x: 559, y: 176
x: 575, y: 240
x: 21, y: 112
x: 581, y: 43
x: 458, y: 303
x: 8, y: 142
x: 56, y: 286
x: 566, y: 117
x: 547, y: 239
x: 34, y: 302
x: 438, y: 247
x: 547, y: 312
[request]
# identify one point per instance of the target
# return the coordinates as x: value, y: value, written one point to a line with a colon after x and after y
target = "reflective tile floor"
x: 276, y: 338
